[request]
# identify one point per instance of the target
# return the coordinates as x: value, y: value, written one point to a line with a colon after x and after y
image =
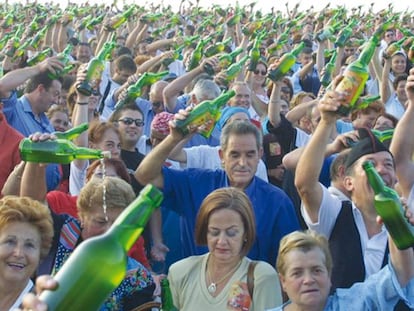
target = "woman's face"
x: 306, y: 280
x: 260, y: 74
x: 225, y: 235
x: 60, y: 121
x: 109, y: 171
x: 95, y: 223
x: 382, y: 123
x: 110, y: 142
x: 20, y: 244
x: 398, y: 64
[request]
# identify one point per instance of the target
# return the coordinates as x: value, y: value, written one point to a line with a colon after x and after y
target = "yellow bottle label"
x: 351, y: 86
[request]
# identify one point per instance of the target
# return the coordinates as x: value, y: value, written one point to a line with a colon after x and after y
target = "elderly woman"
x: 99, y: 204
x: 26, y: 232
x: 219, y: 280
x: 304, y: 264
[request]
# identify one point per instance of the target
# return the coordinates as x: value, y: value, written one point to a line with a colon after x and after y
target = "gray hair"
x: 206, y: 89
x: 238, y: 128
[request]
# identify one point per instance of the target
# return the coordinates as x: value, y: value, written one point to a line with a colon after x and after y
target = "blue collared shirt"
x: 20, y: 116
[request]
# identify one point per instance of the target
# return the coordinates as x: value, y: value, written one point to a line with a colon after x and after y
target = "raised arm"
x: 150, y: 169
x: 310, y: 163
x: 385, y: 85
x: 402, y: 144
x: 173, y: 89
x: 17, y: 77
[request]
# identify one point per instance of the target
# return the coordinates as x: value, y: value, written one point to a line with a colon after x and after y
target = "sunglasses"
x: 129, y: 121
x: 262, y: 72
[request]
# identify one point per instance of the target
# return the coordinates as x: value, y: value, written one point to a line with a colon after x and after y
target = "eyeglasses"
x: 129, y: 121
x: 262, y: 72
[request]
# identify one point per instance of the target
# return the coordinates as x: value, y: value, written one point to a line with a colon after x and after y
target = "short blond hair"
x: 118, y: 194
x: 304, y: 241
x: 27, y: 210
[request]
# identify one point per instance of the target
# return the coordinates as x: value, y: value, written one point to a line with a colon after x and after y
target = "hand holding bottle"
x: 31, y: 301
x: 50, y: 64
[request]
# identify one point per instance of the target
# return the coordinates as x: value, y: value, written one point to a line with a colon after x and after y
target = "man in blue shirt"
x: 27, y: 113
x: 241, y: 150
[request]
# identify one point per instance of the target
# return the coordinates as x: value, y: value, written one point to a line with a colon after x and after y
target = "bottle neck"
x: 367, y: 53
x: 374, y: 179
x: 130, y: 224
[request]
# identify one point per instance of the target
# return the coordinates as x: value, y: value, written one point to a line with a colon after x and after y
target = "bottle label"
x: 351, y: 86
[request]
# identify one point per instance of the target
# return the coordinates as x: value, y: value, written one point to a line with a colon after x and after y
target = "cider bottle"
x: 119, y: 19
x: 285, y: 63
x: 64, y: 57
x: 61, y: 151
x: 167, y: 303
x: 95, y: 68
x: 39, y: 57
x: 205, y: 113
x: 135, y: 90
x: 388, y: 205
x: 255, y: 51
x: 329, y: 69
x: 235, y: 68
x: 357, y: 73
x: 98, y: 265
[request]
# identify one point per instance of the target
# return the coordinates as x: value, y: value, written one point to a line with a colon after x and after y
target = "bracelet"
x: 82, y: 103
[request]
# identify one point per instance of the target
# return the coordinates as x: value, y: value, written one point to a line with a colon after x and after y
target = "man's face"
x: 156, y: 97
x: 121, y: 76
x: 242, y: 97
x: 84, y: 53
x: 348, y: 51
x: 305, y: 58
x: 358, y: 185
x: 48, y: 97
x: 130, y: 133
x: 389, y: 36
x: 240, y: 158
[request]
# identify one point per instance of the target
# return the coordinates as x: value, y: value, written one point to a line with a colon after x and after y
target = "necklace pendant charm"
x: 212, y: 288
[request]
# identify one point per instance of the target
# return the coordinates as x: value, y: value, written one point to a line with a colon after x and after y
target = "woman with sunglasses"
x: 257, y: 82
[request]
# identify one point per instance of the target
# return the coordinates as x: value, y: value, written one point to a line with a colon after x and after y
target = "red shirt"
x: 9, y: 146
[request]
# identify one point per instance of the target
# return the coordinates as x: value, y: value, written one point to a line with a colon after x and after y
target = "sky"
x: 264, y: 5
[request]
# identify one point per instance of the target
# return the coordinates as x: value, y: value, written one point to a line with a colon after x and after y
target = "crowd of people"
x: 270, y: 211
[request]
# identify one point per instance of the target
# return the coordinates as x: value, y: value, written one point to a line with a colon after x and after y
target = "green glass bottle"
x: 328, y: 32
x: 207, y: 113
x: 37, y: 58
x: 383, y: 135
x: 364, y: 102
x: 150, y: 18
x: 345, y: 34
x: 393, y: 47
x: 72, y: 133
x: 135, y: 90
x: 255, y: 51
x: 190, y: 40
x: 15, y: 41
x: 329, y: 68
x: 355, y: 76
x: 217, y: 47
x: 60, y: 151
x: 5, y: 39
x: 198, y: 53
x: 285, y: 63
x: 235, y: 19
x: 35, y: 41
x: 234, y: 69
x: 167, y: 303
x: 64, y: 57
x: 177, y: 55
x: 94, y: 21
x: 120, y: 19
x: 388, y: 205
x: 95, y: 68
x: 8, y: 20
x: 98, y: 265
x: 225, y: 60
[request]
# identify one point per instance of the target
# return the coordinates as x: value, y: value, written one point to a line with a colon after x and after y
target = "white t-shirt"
x: 373, y: 249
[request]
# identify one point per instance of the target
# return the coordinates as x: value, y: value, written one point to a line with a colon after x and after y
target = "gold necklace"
x: 212, y: 288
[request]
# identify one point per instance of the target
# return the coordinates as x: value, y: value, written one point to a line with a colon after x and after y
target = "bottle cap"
x: 106, y: 154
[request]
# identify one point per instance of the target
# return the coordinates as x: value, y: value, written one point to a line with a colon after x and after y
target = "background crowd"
x: 279, y: 159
